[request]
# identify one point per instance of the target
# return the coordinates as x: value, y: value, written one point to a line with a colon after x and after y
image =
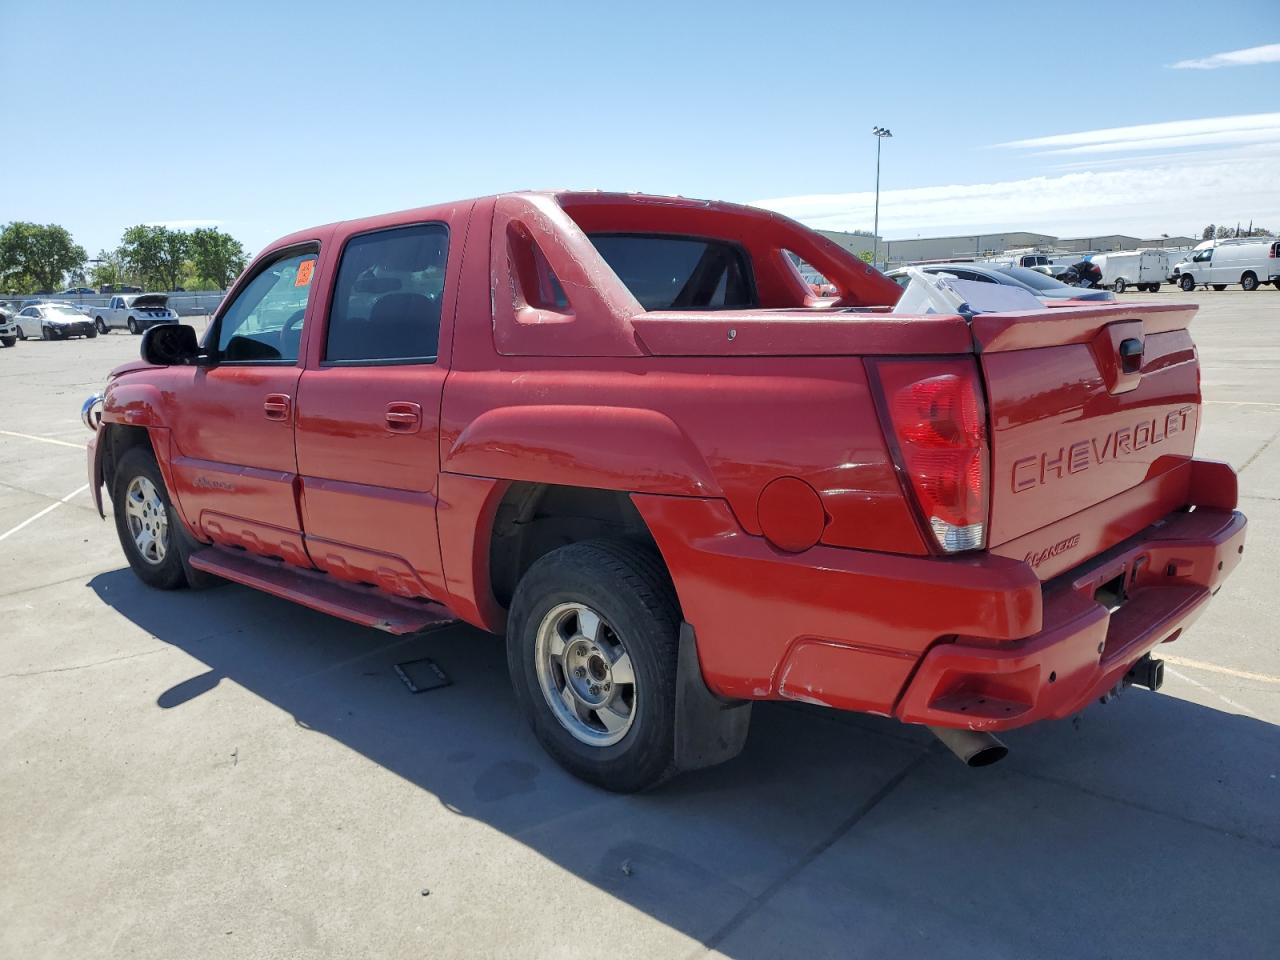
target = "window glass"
x: 386, y: 301
x: 264, y: 322
x: 814, y: 278
x: 678, y: 273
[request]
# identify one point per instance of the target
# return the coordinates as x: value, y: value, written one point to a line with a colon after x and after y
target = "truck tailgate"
x: 1094, y: 412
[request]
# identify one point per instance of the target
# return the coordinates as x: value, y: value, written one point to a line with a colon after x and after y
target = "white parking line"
x: 28, y: 436
x: 1213, y: 693
x: 1214, y: 668
x: 48, y: 509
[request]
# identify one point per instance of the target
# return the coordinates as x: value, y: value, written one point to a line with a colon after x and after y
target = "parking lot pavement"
x: 224, y: 774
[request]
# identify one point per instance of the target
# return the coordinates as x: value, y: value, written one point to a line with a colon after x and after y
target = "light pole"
x: 880, y: 134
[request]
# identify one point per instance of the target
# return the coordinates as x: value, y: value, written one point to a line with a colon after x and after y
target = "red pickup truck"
x: 625, y: 432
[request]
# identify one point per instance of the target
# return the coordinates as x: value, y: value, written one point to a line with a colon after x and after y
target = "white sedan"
x: 53, y: 321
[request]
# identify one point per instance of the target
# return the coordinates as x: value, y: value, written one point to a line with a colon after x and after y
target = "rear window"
x: 667, y: 272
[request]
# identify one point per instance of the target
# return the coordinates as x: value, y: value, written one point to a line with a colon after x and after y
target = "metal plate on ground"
x: 422, y: 675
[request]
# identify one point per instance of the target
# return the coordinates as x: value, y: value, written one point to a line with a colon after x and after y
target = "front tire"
x: 100, y: 324
x: 8, y: 341
x: 46, y: 333
x: 133, y: 326
x: 592, y: 643
x: 145, y: 520
x: 1187, y: 283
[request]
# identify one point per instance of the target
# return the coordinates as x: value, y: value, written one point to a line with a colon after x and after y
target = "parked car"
x: 624, y: 432
x: 1049, y: 290
x: 134, y: 313
x: 8, y: 329
x: 1249, y: 262
x: 109, y: 288
x: 53, y: 321
x: 79, y: 292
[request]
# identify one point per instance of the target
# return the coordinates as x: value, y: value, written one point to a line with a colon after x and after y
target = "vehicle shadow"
x: 1148, y: 828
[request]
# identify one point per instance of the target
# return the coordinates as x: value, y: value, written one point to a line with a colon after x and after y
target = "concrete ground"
x: 223, y: 774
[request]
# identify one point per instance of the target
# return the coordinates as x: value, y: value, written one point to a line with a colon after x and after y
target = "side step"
x: 367, y: 606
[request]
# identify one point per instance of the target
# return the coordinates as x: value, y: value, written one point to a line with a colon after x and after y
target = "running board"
x: 360, y: 604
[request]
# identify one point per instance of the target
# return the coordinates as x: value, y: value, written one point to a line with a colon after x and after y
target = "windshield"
x: 59, y: 310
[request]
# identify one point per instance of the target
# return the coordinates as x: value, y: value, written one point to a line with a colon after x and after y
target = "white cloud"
x: 183, y: 224
x: 1268, y: 53
x: 1244, y: 128
x: 1176, y: 195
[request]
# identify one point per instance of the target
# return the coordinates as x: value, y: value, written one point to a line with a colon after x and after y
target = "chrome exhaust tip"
x: 973, y: 749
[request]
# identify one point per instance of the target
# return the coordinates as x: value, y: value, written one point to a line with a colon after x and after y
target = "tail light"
x: 934, y: 414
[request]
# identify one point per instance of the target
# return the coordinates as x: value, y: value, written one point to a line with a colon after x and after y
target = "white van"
x: 1248, y: 262
x: 1142, y: 270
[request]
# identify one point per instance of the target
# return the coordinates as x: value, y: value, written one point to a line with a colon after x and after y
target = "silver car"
x: 53, y: 321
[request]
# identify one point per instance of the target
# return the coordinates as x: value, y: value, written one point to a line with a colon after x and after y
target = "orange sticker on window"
x: 305, y: 269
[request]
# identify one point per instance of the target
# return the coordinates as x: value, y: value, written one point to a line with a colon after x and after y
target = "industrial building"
x: 971, y: 246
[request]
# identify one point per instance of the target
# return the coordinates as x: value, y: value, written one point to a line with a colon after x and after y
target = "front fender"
x: 132, y: 404
x: 608, y: 448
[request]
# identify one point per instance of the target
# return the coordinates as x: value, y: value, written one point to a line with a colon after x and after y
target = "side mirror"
x: 172, y: 345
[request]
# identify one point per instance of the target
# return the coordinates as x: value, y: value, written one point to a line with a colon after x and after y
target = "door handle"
x: 403, y: 417
x: 276, y: 406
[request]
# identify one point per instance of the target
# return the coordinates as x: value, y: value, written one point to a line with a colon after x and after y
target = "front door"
x: 233, y: 460
x: 368, y: 413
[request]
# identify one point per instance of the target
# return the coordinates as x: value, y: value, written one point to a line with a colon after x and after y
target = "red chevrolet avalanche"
x: 624, y: 432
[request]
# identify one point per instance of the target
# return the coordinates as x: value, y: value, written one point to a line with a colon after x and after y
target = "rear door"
x: 1093, y: 414
x: 369, y: 408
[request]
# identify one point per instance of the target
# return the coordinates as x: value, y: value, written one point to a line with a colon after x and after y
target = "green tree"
x: 155, y: 254
x: 1208, y: 232
x: 108, y: 268
x: 217, y: 257
x: 35, y: 257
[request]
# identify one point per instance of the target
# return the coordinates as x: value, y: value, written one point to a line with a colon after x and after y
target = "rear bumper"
x: 1168, y: 573
x: 973, y: 641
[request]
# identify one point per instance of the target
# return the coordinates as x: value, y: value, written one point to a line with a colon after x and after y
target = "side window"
x: 387, y: 297
x: 264, y: 322
x: 814, y: 278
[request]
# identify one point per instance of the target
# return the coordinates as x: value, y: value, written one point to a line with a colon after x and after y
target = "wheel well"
x: 535, y: 518
x: 1248, y: 273
x: 119, y: 438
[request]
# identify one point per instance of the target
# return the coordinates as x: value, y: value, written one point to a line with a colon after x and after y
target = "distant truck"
x: 134, y: 313
x: 1142, y: 270
x: 1218, y: 263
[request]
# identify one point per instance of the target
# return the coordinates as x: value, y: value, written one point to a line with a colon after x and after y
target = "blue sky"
x: 266, y: 117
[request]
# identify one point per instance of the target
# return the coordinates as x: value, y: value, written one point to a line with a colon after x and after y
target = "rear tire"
x: 1249, y: 281
x: 1187, y: 283
x: 1119, y: 286
x: 146, y: 522
x: 625, y: 588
